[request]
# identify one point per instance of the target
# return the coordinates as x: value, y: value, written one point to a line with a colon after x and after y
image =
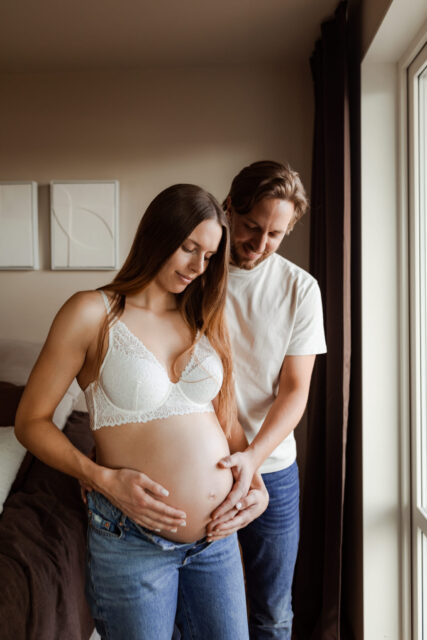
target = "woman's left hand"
x: 240, y: 515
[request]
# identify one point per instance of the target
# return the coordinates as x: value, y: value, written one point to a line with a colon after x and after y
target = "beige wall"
x: 148, y: 129
x: 373, y: 12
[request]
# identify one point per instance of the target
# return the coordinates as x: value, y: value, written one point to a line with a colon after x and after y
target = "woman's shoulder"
x: 84, y: 309
x: 77, y: 322
x: 90, y: 301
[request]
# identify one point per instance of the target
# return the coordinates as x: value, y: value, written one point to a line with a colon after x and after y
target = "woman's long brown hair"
x: 168, y: 221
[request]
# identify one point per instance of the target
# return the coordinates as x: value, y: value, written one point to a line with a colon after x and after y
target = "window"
x: 417, y: 123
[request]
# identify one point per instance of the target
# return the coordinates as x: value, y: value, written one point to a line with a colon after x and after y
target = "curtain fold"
x: 318, y: 577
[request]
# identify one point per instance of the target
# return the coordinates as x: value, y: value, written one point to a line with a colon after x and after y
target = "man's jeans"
x: 135, y: 579
x: 269, y: 546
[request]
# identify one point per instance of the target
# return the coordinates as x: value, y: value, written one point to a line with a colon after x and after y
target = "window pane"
x: 422, y: 111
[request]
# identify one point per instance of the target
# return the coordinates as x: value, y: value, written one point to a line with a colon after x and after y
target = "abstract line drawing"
x: 84, y: 219
x: 18, y: 225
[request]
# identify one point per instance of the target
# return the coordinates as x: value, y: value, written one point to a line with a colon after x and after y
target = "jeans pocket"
x: 105, y: 527
x: 105, y: 524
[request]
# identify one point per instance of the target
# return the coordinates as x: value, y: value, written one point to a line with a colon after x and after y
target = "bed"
x: 43, y: 520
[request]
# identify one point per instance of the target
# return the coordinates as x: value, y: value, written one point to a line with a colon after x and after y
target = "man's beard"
x: 245, y: 264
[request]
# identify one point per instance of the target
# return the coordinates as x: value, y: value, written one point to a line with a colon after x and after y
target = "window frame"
x: 417, y: 228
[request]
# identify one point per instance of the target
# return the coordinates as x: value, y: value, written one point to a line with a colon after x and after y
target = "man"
x: 274, y: 314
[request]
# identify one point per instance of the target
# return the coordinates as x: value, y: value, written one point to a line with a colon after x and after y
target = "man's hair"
x: 267, y: 179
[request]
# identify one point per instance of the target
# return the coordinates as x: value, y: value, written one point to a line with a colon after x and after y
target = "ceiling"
x: 54, y: 35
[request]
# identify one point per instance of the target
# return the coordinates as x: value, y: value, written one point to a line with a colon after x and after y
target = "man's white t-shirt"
x: 273, y: 310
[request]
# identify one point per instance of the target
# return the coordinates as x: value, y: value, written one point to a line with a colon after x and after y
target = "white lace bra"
x: 134, y: 386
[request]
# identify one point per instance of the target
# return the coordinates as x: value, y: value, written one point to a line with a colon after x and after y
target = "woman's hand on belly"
x: 134, y: 493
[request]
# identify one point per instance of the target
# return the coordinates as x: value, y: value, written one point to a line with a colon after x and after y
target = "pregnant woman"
x: 151, y: 352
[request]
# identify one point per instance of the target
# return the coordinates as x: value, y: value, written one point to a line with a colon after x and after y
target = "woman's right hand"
x: 137, y: 496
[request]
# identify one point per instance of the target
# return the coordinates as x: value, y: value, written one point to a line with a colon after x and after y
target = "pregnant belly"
x: 181, y: 453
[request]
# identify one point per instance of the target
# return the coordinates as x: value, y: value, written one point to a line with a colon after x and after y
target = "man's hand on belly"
x: 241, y: 514
x: 243, y: 470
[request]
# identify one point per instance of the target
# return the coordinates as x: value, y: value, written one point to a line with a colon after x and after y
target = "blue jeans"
x: 135, y: 580
x: 269, y: 548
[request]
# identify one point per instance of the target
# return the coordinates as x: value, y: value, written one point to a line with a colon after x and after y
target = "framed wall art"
x: 18, y: 225
x: 84, y: 224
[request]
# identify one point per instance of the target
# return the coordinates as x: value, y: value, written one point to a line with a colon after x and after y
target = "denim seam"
x: 187, y: 615
x: 100, y: 611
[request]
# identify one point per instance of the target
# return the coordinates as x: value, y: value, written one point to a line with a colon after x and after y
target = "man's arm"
x: 287, y: 409
x: 282, y: 418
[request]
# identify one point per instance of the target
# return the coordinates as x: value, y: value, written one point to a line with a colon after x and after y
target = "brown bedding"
x: 42, y: 548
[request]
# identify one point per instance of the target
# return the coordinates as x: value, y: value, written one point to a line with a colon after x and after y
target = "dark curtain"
x: 317, y: 595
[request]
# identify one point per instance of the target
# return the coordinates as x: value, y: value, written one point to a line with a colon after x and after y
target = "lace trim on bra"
x: 106, y: 418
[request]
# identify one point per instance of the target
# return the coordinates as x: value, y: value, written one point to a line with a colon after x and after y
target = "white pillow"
x: 11, y: 456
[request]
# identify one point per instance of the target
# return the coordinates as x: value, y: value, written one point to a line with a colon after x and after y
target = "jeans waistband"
x: 99, y: 504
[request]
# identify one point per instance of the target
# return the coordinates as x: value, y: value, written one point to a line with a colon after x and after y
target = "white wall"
x: 148, y: 129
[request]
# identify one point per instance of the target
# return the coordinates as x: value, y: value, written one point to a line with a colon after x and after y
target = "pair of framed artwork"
x: 83, y: 225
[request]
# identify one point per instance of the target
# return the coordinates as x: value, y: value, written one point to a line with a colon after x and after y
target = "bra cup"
x: 134, y: 384
x: 202, y: 383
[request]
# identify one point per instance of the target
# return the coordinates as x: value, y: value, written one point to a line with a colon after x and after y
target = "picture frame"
x: 19, y: 247
x: 84, y: 224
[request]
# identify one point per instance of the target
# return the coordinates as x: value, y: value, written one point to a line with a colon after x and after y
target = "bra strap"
x: 106, y: 301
